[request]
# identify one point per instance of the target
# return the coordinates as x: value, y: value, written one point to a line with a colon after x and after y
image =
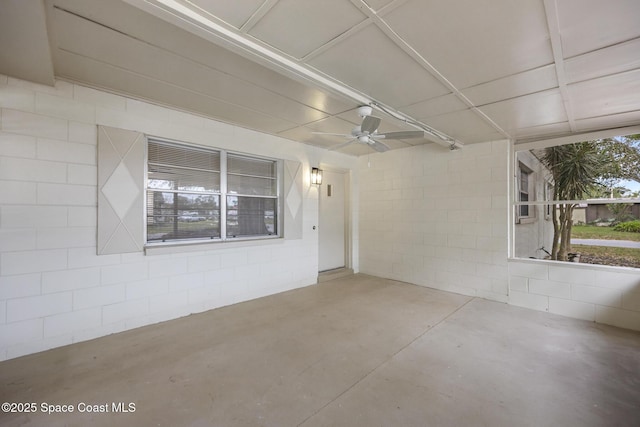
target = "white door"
x: 332, y: 228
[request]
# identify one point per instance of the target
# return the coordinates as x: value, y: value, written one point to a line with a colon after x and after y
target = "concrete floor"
x: 356, y: 351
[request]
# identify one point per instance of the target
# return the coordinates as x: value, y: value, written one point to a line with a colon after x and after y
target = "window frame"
x: 222, y: 194
x: 228, y: 194
x: 531, y: 194
x: 527, y: 145
x: 548, y: 196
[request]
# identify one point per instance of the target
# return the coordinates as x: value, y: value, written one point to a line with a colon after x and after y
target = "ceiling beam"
x: 553, y: 24
x: 422, y: 61
x: 177, y: 13
x: 258, y: 15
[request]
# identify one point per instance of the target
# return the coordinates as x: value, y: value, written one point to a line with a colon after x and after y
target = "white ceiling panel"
x: 319, y: 21
x: 588, y: 25
x: 473, y: 42
x: 89, y: 71
x: 303, y: 134
x: 612, y: 60
x: 527, y: 111
x: 153, y: 31
x: 476, y: 70
x: 483, y: 137
x: 609, y: 122
x: 25, y: 49
x: 435, y: 107
x: 379, y: 4
x: 167, y: 67
x: 513, y: 86
x: 544, y: 130
x: 233, y: 12
x: 462, y: 125
x: 608, y: 95
x: 357, y: 149
x: 333, y: 125
x: 372, y: 63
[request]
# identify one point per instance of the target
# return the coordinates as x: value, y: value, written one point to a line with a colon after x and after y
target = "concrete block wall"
x: 596, y: 293
x: 54, y: 289
x: 437, y: 218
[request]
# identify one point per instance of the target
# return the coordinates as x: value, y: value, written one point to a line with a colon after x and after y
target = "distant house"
x: 594, y: 212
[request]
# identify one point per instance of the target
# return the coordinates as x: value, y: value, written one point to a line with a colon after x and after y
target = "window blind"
x: 251, y: 196
x: 183, y: 192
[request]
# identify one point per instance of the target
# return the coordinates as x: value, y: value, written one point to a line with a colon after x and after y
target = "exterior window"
x: 525, y: 191
x: 252, y: 195
x: 196, y: 193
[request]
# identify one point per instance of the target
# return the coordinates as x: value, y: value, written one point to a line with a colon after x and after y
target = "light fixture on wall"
x: 316, y: 176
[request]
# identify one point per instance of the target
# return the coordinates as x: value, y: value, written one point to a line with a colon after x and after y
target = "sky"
x: 631, y: 185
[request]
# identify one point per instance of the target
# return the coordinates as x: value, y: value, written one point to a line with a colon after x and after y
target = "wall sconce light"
x: 316, y: 176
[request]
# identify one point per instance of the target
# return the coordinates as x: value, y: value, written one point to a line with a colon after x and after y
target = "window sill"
x: 207, y: 245
x: 529, y: 220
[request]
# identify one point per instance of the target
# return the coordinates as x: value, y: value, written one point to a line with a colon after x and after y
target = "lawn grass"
x: 603, y: 255
x: 606, y: 233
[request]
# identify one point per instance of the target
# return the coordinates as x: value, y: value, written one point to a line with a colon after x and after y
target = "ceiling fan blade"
x: 370, y: 124
x: 408, y: 134
x: 333, y: 134
x: 339, y: 146
x: 380, y: 147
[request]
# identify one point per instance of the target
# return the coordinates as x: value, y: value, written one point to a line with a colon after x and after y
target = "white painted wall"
x: 54, y: 289
x: 598, y: 293
x: 437, y: 218
x: 423, y: 215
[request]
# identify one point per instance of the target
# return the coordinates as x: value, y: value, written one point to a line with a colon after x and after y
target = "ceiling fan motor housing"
x: 365, y: 111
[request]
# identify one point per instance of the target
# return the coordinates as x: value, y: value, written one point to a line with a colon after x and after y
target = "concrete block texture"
x: 54, y: 288
x: 38, y: 306
x: 594, y: 293
x: 456, y: 211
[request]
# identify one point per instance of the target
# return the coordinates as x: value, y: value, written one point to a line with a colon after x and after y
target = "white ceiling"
x: 475, y: 70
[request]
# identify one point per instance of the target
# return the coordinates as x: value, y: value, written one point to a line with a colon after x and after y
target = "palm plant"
x: 575, y: 169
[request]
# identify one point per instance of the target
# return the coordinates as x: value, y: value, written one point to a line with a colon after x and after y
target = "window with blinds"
x: 195, y: 193
x: 251, y: 196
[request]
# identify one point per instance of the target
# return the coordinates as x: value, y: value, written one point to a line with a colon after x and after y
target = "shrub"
x: 629, y: 226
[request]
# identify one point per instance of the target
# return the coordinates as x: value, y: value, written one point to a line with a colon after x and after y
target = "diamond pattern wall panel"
x: 293, y: 199
x: 121, y: 163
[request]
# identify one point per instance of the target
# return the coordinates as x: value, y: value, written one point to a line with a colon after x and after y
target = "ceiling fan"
x: 367, y: 132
